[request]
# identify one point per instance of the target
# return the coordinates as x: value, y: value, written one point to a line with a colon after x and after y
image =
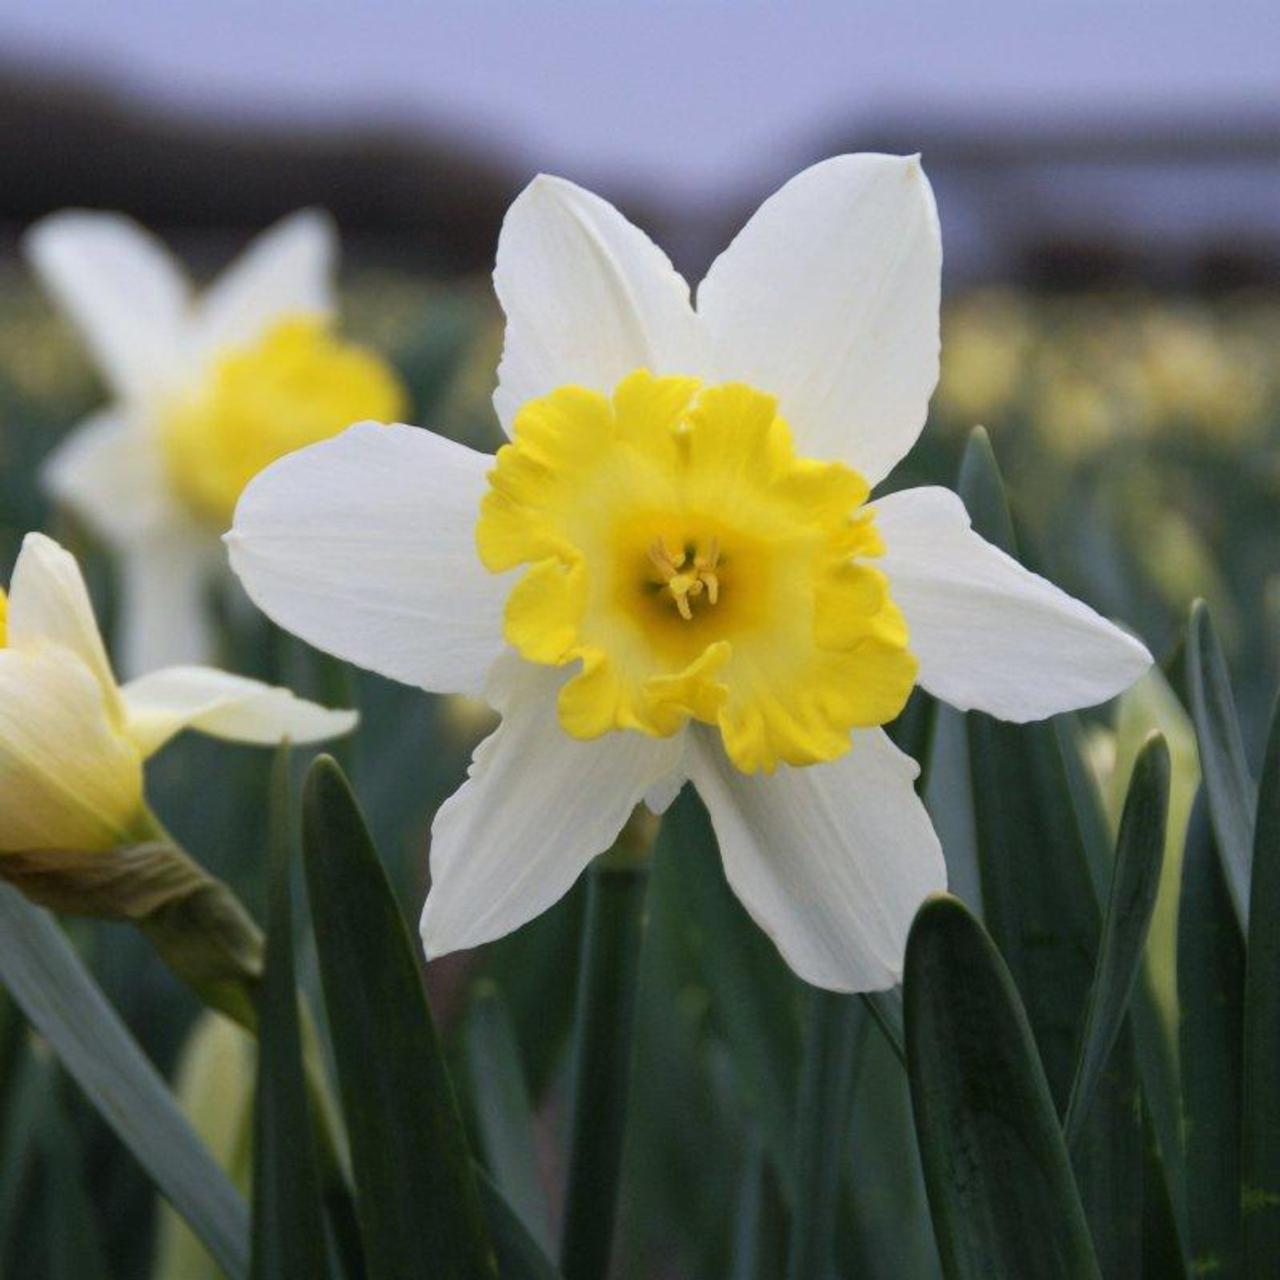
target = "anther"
x: 688, y: 584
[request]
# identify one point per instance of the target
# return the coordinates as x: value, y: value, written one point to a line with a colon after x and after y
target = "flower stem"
x: 822, y: 1123
x: 602, y: 1051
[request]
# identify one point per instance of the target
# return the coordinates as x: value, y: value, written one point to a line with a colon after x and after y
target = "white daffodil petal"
x: 588, y: 297
x: 287, y: 271
x: 122, y: 290
x: 990, y: 635
x: 364, y: 545
x: 537, y: 806
x: 164, y: 612
x: 661, y: 796
x: 68, y: 778
x: 831, y: 860
x: 49, y: 604
x: 111, y: 476
x: 828, y: 298
x: 159, y: 705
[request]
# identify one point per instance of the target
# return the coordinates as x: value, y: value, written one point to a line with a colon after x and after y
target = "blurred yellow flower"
x: 206, y: 390
x: 297, y: 385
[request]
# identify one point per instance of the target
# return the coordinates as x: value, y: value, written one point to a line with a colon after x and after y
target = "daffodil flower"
x: 673, y: 572
x: 206, y: 390
x: 73, y: 741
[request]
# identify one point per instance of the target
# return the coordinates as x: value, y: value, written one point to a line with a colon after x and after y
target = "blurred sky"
x: 697, y: 96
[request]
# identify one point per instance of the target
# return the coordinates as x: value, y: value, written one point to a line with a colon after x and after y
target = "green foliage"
x: 419, y: 1208
x: 288, y: 1218
x: 1000, y: 1184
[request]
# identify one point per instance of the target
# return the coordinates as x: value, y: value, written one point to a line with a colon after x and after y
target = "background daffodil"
x: 206, y: 389
x: 73, y: 741
x: 709, y: 595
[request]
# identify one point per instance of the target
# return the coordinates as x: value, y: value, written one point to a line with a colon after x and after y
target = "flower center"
x: 696, y: 569
x: 687, y: 574
x: 297, y: 385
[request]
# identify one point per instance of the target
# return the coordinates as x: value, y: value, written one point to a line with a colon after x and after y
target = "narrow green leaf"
x: 24, y: 1095
x: 754, y: 997
x: 885, y: 1008
x: 416, y: 1194
x: 981, y: 486
x: 1228, y: 785
x: 1037, y: 892
x: 601, y: 1064
x: 1211, y: 992
x: 1135, y: 880
x: 46, y: 977
x: 503, y: 1112
x: 75, y: 1246
x: 759, y: 1234
x: 288, y: 1217
x: 1002, y: 1195
x: 1043, y: 856
x: 1260, y: 1130
x: 822, y: 1130
x: 519, y: 1255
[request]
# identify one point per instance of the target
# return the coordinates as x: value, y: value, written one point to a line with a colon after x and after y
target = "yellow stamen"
x: 688, y: 585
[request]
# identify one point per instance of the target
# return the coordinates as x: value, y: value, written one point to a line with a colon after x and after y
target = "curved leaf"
x: 416, y: 1195
x: 1260, y: 1130
x: 1210, y: 991
x: 1228, y: 785
x: 1001, y: 1191
x: 1135, y: 881
x: 288, y: 1218
x: 62, y: 1001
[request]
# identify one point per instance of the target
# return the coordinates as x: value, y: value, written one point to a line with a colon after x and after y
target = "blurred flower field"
x: 1139, y: 436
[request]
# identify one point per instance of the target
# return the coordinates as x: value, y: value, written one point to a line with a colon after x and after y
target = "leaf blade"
x: 1135, y: 882
x: 46, y: 977
x: 1228, y: 786
x: 288, y: 1218
x: 1002, y: 1195
x: 413, y: 1172
x: 1260, y: 1128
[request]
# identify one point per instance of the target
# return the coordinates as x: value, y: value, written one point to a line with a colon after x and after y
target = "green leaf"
x: 288, y: 1217
x: 759, y: 1234
x: 1260, y: 1129
x: 520, y: 1257
x: 1037, y: 893
x: 602, y: 1063
x: 1135, y: 881
x: 503, y: 1112
x: 1211, y: 992
x: 754, y: 997
x: 1228, y: 784
x: 1042, y: 854
x: 46, y: 977
x: 1002, y: 1195
x: 981, y: 486
x: 885, y: 1008
x: 822, y: 1130
x: 416, y: 1194
x: 75, y: 1247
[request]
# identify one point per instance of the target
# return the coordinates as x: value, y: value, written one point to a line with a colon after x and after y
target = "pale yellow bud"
x: 70, y: 777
